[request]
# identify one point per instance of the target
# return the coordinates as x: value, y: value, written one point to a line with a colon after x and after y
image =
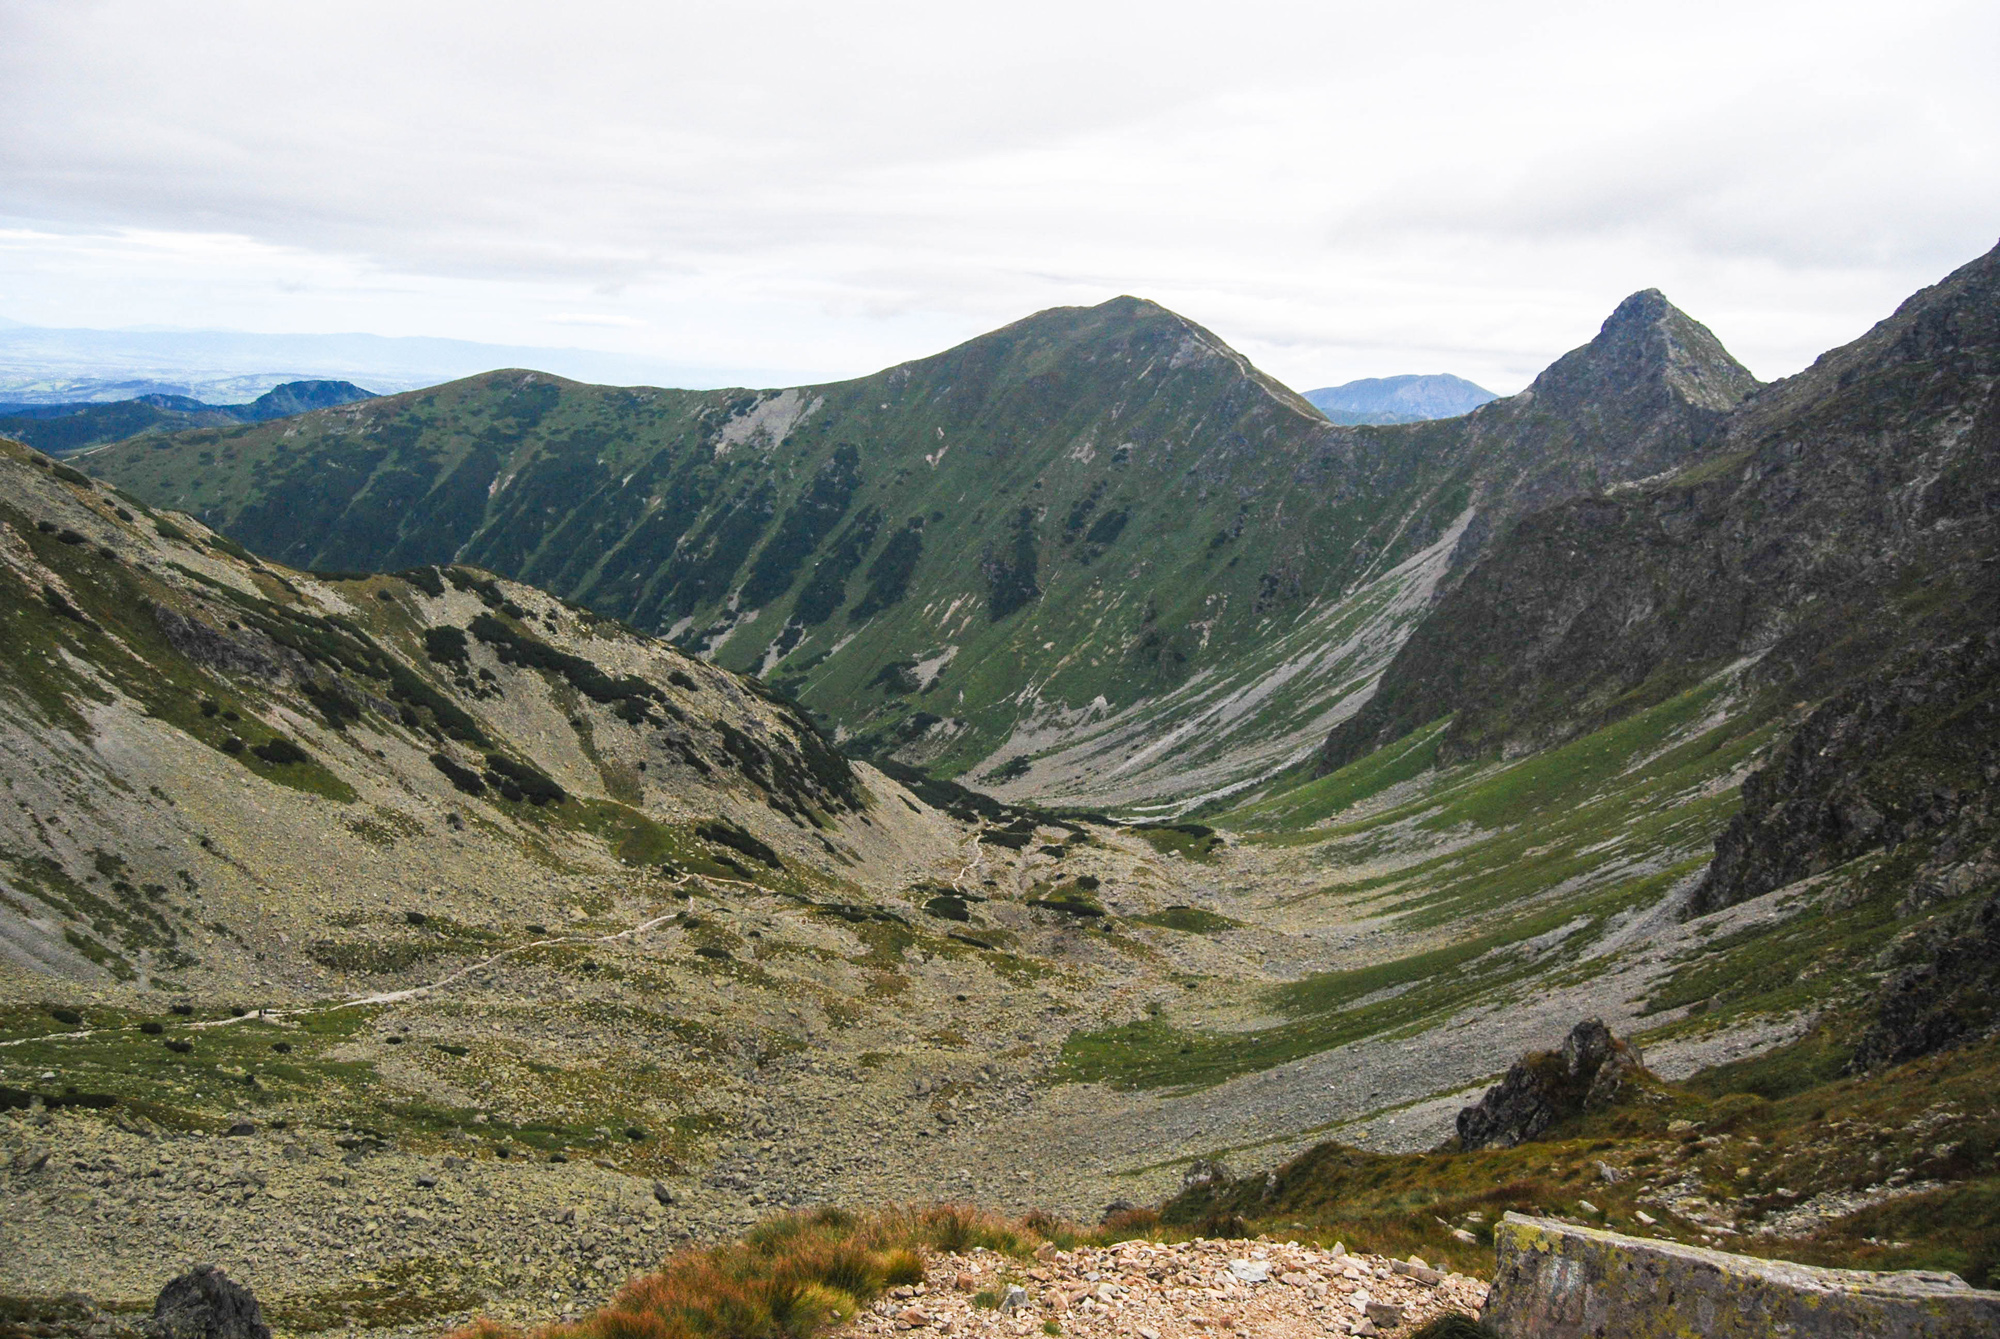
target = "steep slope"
x: 208, y: 757
x: 1404, y: 399
x: 1006, y: 549
x: 1846, y: 515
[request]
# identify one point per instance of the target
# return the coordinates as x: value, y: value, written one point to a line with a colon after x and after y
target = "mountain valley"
x: 463, y: 845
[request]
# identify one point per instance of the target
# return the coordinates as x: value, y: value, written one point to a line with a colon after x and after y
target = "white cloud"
x: 1340, y: 189
x: 604, y: 319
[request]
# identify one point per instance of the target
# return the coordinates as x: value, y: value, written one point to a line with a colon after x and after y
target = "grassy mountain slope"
x: 1087, y: 511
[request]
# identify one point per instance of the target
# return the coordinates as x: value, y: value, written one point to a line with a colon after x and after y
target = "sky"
x: 769, y: 193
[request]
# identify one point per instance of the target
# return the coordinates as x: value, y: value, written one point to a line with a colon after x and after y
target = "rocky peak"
x: 1647, y: 354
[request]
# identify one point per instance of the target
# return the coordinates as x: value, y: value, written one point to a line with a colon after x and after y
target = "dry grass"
x: 792, y: 1277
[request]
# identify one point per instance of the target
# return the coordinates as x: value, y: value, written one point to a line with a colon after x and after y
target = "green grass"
x: 1193, y: 841
x: 1317, y: 800
x: 1188, y: 920
x: 1613, y: 820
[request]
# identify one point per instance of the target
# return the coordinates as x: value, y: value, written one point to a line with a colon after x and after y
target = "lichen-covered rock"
x: 1543, y: 1087
x: 206, y: 1303
x: 1556, y: 1281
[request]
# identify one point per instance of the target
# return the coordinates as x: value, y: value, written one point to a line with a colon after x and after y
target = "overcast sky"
x: 788, y: 192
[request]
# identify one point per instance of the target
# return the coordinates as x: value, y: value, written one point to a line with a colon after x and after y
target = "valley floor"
x: 513, y: 1128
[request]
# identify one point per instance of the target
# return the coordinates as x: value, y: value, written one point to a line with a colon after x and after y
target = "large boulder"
x: 206, y: 1303
x: 1589, y: 1071
x: 1557, y: 1281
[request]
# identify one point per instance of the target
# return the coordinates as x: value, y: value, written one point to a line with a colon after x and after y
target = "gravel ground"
x: 1274, y: 1290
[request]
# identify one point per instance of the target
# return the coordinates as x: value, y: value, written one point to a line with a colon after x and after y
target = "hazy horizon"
x: 782, y: 193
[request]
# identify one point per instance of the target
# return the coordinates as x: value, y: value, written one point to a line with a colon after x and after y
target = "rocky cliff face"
x: 1837, y: 519
x: 1908, y: 755
x: 1949, y: 996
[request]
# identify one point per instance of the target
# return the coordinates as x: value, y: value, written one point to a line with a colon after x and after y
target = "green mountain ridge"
x: 1028, y: 557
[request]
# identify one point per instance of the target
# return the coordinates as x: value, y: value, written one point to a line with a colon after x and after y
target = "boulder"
x: 1559, y: 1281
x: 1590, y: 1071
x: 206, y: 1303
x: 1205, y: 1172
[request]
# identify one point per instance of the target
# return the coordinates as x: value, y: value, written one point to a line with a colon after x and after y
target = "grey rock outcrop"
x: 1589, y: 1071
x: 1906, y: 754
x: 1944, y: 1000
x: 1205, y: 1172
x: 206, y: 1303
x: 1557, y: 1281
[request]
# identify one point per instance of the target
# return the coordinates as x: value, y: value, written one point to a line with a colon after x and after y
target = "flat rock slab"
x: 1558, y: 1281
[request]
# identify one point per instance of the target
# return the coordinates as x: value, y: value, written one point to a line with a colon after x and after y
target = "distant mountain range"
x: 49, y: 365
x: 1031, y: 557
x: 1404, y: 399
x: 71, y: 427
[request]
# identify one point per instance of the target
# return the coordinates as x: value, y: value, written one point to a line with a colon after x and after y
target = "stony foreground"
x: 1153, y: 1290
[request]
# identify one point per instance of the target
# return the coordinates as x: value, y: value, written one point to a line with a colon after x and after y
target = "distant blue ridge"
x: 1404, y: 399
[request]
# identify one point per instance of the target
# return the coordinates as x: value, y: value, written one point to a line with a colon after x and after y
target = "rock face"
x: 1555, y: 1281
x: 1950, y: 997
x: 206, y: 1303
x: 1544, y: 1087
x: 1794, y: 544
x: 1205, y: 1172
x: 1908, y: 754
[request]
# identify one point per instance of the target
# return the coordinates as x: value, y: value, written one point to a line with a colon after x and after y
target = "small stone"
x: 1387, y: 1315
x: 1645, y: 1218
x: 912, y: 1316
x: 1588, y: 1207
x: 1250, y: 1271
x: 240, y: 1129
x: 965, y: 1283
x: 1460, y: 1234
x: 661, y: 1193
x: 1014, y: 1299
